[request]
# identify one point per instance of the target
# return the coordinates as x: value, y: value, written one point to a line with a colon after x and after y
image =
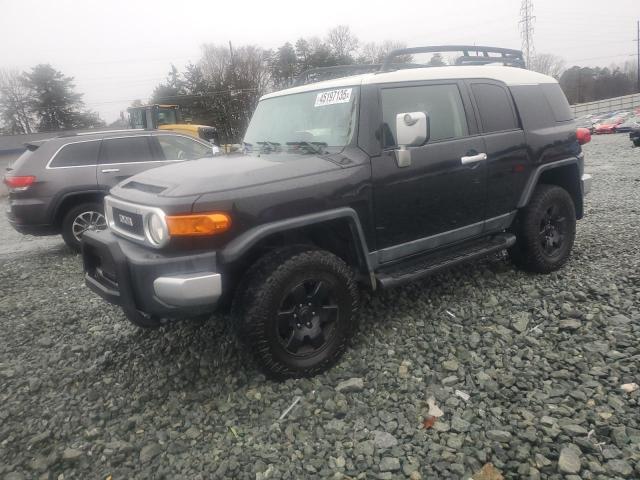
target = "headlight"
x: 157, y: 229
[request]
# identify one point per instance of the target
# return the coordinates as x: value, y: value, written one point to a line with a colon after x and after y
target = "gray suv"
x: 58, y: 185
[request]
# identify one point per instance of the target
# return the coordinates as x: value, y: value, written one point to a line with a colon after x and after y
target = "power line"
x: 526, y: 31
x: 209, y: 94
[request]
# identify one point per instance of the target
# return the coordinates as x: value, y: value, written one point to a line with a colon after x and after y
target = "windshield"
x: 167, y: 116
x: 315, y: 120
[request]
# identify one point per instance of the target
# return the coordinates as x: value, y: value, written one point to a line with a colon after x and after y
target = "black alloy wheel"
x: 553, y: 228
x: 307, y: 317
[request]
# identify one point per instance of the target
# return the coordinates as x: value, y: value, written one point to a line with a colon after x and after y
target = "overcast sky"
x: 118, y: 50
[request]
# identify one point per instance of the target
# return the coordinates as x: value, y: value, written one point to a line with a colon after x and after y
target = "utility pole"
x: 638, y: 47
x: 527, y: 20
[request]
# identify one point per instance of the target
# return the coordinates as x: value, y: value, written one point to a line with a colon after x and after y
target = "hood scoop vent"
x: 144, y: 187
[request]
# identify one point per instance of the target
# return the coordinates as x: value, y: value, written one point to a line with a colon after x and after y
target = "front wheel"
x: 80, y: 219
x: 545, y: 230
x: 296, y: 311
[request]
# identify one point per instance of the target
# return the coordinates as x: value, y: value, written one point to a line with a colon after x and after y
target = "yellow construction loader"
x: 168, y: 117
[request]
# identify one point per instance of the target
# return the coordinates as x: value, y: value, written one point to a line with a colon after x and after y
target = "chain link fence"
x: 628, y: 102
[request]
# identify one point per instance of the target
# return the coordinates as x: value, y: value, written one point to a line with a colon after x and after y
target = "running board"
x: 424, y: 265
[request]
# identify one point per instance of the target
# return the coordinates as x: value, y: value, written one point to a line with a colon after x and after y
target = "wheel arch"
x: 347, y: 239
x: 69, y: 199
x: 564, y: 173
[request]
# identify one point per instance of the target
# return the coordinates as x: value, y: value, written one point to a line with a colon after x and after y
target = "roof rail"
x: 471, y: 55
x: 97, y: 132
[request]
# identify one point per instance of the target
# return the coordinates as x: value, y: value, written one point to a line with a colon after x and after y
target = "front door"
x: 439, y: 198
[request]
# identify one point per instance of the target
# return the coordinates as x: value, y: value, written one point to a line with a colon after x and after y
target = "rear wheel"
x: 545, y: 230
x: 80, y: 219
x: 296, y: 312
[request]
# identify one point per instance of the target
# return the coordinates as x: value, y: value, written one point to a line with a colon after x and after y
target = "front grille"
x: 128, y: 221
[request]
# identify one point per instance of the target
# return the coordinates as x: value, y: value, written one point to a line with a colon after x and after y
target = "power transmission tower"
x: 527, y: 20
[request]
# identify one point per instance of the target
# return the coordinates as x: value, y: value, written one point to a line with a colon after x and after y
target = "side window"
x: 557, y: 101
x: 126, y: 150
x: 496, y: 108
x: 77, y: 154
x: 442, y: 102
x: 182, y: 148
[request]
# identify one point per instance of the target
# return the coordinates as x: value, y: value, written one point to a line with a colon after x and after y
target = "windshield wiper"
x: 315, y: 147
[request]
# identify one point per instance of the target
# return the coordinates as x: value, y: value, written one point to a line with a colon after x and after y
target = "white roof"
x: 508, y: 75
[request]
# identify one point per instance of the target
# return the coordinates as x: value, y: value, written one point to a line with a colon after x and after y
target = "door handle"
x: 110, y: 170
x: 473, y: 158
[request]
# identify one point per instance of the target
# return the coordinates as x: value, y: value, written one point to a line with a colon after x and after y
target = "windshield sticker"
x: 342, y: 95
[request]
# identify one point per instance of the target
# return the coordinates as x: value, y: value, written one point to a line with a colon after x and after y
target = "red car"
x: 609, y: 125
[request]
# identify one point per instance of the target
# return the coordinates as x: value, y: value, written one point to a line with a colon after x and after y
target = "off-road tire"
x: 70, y: 216
x: 528, y: 252
x: 260, y: 298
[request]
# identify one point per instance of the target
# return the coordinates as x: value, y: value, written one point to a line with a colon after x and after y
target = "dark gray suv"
x: 58, y: 185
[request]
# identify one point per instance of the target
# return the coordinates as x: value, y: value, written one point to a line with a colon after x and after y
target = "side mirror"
x: 412, y: 130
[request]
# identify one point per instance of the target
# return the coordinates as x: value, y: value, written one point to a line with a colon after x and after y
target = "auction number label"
x: 331, y: 97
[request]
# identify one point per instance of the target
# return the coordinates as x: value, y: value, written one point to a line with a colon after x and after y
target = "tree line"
x: 222, y: 88
x: 42, y: 100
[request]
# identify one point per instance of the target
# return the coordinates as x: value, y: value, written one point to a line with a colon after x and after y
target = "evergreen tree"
x: 54, y: 102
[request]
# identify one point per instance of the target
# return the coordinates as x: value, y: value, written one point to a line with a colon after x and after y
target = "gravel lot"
x: 84, y: 394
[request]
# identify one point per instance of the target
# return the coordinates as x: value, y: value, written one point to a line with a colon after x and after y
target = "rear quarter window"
x: 77, y: 154
x: 557, y: 101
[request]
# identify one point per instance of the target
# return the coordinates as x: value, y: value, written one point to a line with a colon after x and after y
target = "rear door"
x: 507, y: 158
x: 438, y: 199
x: 125, y: 156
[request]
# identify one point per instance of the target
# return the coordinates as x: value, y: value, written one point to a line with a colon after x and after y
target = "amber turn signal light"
x: 200, y: 224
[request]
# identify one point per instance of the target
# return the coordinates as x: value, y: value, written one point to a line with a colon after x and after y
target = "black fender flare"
x: 534, y: 177
x: 239, y: 246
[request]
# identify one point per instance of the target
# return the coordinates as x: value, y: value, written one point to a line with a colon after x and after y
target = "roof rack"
x: 471, y: 55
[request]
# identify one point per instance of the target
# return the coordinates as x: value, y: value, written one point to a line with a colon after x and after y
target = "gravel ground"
x: 521, y: 371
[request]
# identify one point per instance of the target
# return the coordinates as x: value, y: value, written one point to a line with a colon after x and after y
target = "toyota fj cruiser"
x: 375, y: 179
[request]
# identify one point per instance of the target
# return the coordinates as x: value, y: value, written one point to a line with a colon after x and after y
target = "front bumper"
x: 149, y: 285
x: 587, y: 180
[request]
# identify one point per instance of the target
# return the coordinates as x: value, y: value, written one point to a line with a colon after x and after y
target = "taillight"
x: 19, y: 183
x: 583, y: 135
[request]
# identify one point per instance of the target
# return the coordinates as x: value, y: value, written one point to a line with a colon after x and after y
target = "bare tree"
x: 342, y: 42
x: 235, y: 79
x: 548, y: 64
x: 15, y: 98
x: 376, y: 52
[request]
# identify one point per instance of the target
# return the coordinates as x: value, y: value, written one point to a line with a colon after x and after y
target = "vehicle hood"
x: 230, y: 172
